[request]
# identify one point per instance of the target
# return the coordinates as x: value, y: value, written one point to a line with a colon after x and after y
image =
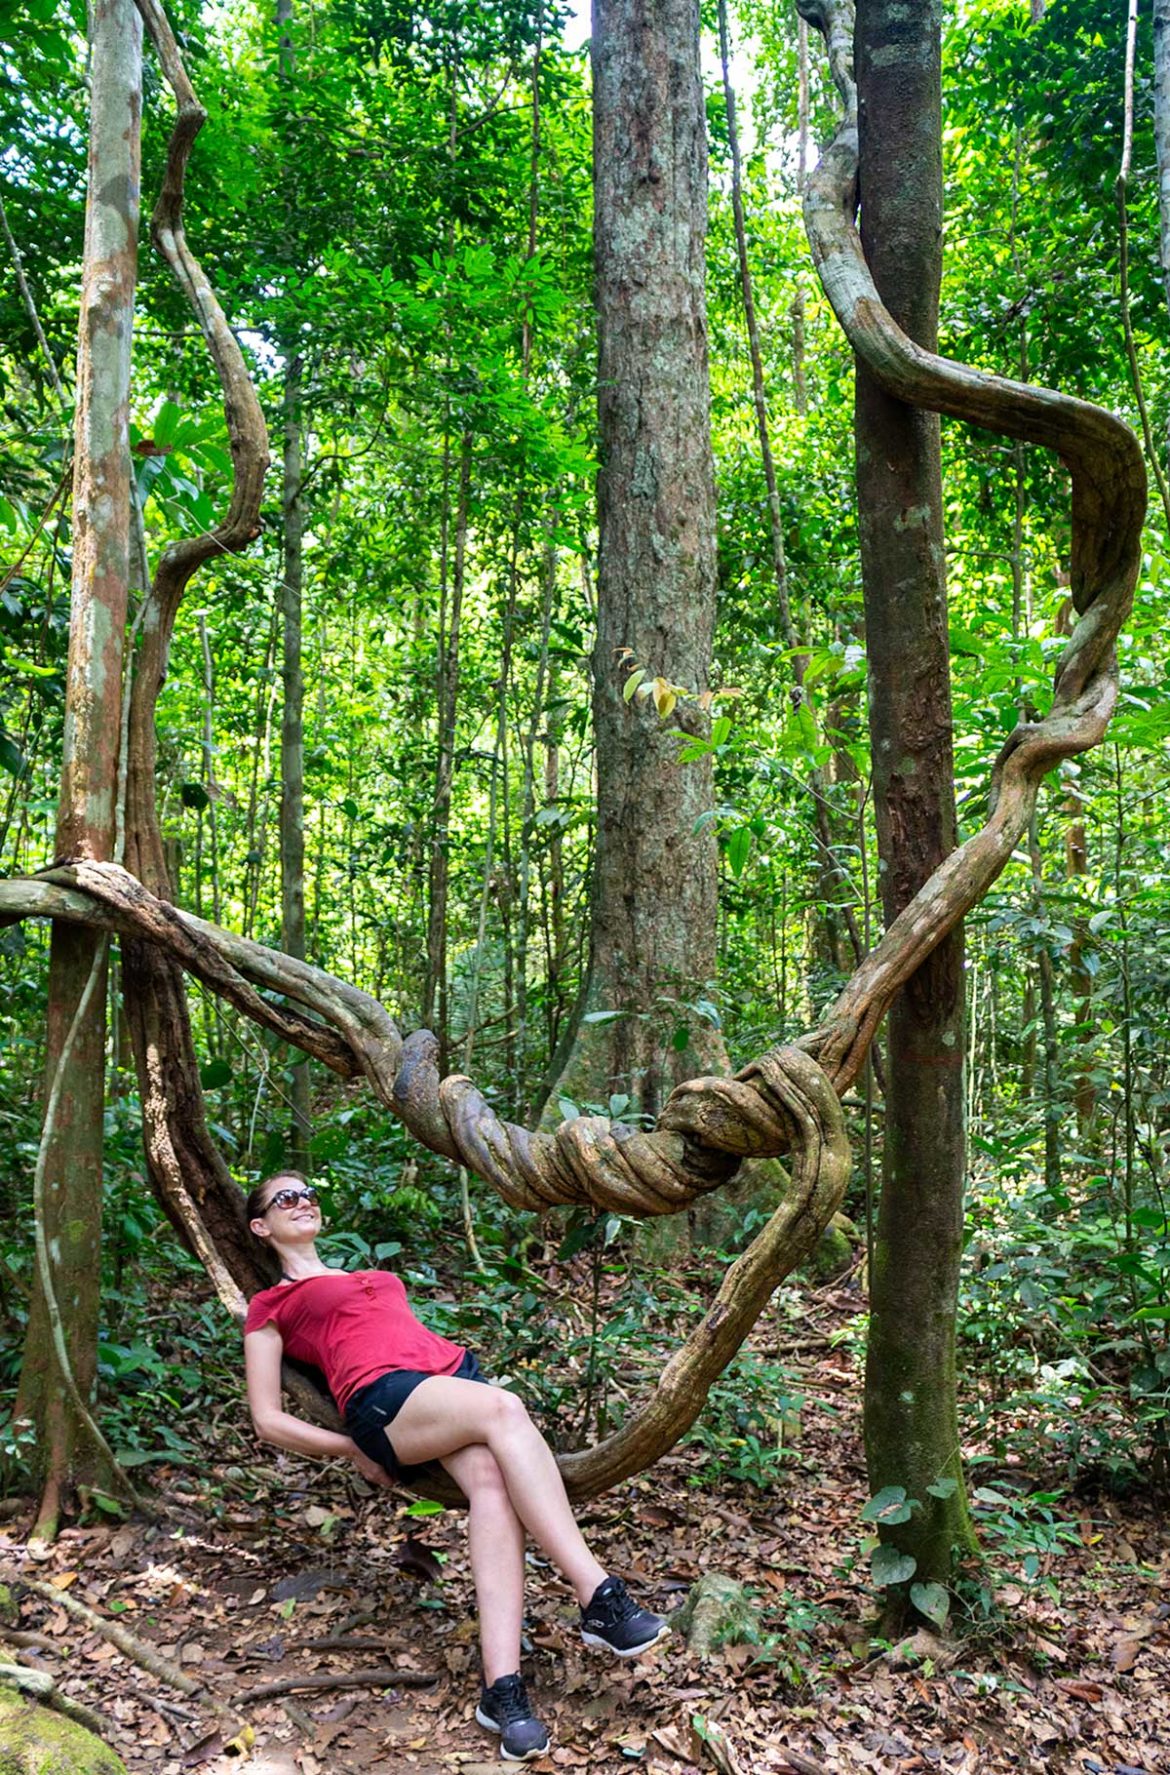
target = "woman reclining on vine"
x: 408, y: 1397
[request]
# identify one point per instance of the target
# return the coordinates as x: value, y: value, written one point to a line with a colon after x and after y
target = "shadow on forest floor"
x: 1078, y: 1679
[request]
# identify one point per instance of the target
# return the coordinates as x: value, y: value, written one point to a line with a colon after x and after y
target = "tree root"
x: 146, y: 1656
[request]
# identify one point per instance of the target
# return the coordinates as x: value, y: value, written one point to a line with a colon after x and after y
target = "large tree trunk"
x: 86, y: 815
x: 652, y: 932
x: 910, y: 1419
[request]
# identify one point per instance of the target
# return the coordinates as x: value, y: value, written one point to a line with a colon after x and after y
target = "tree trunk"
x: 447, y: 700
x: 86, y: 814
x: 1162, y: 131
x: 653, y: 911
x: 911, y: 1430
x: 1076, y: 855
x: 292, y: 740
x: 1053, y: 1164
x: 799, y: 382
x: 292, y: 725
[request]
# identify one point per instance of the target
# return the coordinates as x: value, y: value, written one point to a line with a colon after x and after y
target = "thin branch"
x: 30, y: 306
x: 380, y: 1678
x: 40, y: 524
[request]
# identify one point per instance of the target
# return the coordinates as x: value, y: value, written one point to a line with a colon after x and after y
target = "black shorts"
x: 374, y: 1407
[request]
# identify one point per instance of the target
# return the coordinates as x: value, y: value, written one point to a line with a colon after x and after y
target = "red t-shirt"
x: 354, y: 1325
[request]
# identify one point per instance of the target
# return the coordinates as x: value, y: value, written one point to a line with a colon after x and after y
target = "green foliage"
x: 742, y: 1427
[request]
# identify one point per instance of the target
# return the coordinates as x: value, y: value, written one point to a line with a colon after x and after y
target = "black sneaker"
x: 504, y: 1709
x: 614, y: 1620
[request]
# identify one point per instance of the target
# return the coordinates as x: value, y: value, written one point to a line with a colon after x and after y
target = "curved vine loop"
x: 789, y: 1099
x: 1104, y: 461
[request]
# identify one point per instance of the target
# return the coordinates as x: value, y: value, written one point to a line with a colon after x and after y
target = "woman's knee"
x: 508, y: 1411
x: 479, y: 1472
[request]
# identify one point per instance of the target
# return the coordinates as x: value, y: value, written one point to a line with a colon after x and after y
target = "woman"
x: 408, y: 1397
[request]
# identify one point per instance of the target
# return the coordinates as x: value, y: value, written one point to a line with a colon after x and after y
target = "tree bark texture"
x: 654, y: 890
x: 911, y: 1426
x: 86, y: 813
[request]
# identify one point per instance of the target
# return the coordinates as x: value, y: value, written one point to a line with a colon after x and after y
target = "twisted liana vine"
x: 789, y: 1099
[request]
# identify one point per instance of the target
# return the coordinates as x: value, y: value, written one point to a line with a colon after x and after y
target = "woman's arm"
x: 262, y: 1354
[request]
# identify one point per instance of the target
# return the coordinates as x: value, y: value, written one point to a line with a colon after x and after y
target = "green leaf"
x: 933, y: 1601
x: 11, y: 757
x: 738, y: 847
x: 891, y: 1567
x: 889, y: 1505
x: 166, y: 424
x: 580, y: 1234
x: 424, y: 1507
x: 632, y: 682
x: 680, y: 1041
x: 214, y: 1074
x: 943, y: 1488
x: 602, y: 1016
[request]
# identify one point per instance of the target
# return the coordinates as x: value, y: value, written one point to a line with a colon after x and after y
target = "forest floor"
x: 1071, y: 1672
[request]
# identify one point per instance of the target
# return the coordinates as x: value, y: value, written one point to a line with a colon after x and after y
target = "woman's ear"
x: 259, y: 1229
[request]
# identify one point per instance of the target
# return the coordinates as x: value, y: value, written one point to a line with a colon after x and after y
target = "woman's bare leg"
x: 495, y: 1541
x: 444, y: 1414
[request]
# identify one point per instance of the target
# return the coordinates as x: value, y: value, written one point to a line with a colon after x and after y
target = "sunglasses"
x: 288, y: 1198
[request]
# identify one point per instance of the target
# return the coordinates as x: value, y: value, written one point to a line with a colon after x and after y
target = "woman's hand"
x: 371, y: 1470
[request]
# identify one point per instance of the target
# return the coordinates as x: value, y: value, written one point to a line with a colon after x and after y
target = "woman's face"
x: 289, y: 1216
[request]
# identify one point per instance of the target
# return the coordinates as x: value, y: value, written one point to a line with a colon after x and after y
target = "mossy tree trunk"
x: 911, y: 1430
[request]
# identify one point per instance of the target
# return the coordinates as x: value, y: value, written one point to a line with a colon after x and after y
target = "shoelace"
x: 510, y: 1700
x: 618, y: 1604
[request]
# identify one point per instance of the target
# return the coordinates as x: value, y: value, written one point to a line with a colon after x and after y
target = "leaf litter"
x: 303, y: 1576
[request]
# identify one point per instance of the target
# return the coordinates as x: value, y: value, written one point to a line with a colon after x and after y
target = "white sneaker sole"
x: 508, y: 1755
x: 594, y: 1639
